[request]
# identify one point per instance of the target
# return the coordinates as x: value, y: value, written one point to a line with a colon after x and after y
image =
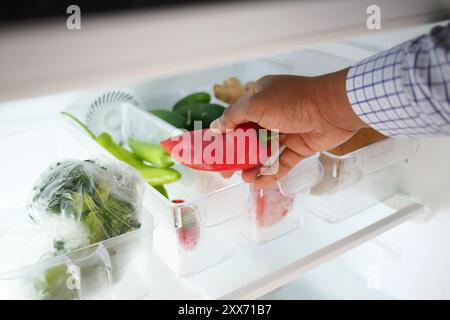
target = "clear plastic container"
x: 185, y: 249
x: 163, y: 92
x: 192, y: 233
x: 188, y: 236
x: 359, y: 179
x: 209, y: 202
x: 280, y: 209
x: 119, y: 267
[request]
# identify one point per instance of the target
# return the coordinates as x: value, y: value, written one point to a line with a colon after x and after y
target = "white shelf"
x: 333, y: 280
x: 257, y: 270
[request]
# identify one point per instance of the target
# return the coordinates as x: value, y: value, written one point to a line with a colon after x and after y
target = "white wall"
x: 44, y: 58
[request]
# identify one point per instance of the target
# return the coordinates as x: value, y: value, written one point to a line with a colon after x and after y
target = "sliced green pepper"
x: 172, y: 117
x: 153, y: 176
x: 204, y: 112
x: 150, y: 152
x: 162, y: 190
x: 202, y: 97
x: 106, y: 141
x: 159, y: 176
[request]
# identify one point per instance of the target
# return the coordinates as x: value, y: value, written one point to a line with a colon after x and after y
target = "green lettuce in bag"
x: 82, y: 203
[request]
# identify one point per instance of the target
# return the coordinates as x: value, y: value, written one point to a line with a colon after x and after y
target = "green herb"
x: 102, y: 200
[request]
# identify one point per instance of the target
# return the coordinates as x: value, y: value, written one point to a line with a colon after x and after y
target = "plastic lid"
x: 223, y: 205
x: 386, y: 153
x: 305, y: 175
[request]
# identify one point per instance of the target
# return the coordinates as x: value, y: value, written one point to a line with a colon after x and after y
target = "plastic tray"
x: 280, y: 209
x: 209, y: 201
x: 163, y: 92
x: 357, y: 180
x: 119, y: 267
x: 185, y: 251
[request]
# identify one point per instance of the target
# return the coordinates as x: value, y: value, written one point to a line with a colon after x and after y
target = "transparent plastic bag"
x: 85, y: 202
x: 81, y: 203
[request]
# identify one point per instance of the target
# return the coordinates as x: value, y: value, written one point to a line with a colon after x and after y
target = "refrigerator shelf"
x: 258, y: 270
x: 253, y: 270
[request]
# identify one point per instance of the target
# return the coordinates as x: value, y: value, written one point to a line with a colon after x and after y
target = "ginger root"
x: 231, y: 90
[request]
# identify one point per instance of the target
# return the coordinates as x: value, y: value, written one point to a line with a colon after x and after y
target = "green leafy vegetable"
x: 82, y: 202
x: 78, y: 190
x: 53, y: 285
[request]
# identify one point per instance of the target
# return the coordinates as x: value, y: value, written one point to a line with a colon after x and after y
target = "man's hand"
x: 312, y: 114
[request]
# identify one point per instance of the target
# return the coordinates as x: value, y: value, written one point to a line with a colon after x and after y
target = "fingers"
x: 296, y: 150
x: 227, y: 174
x: 240, y: 111
x: 287, y: 160
x: 296, y: 143
x: 233, y: 116
x: 251, y: 175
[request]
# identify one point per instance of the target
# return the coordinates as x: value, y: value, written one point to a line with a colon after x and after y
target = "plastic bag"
x: 85, y: 202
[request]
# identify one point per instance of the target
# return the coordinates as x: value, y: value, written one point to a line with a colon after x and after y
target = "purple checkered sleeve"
x: 406, y: 89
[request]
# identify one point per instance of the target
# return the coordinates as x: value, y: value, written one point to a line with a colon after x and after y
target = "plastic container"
x: 119, y: 267
x: 209, y: 202
x: 192, y: 233
x: 359, y: 179
x: 188, y: 237
x: 185, y: 249
x: 163, y: 92
x: 280, y: 209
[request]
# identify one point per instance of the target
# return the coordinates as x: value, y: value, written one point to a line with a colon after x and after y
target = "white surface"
x: 333, y: 280
x: 45, y: 57
x: 416, y: 240
x: 261, y: 268
x: 413, y: 260
x: 257, y: 270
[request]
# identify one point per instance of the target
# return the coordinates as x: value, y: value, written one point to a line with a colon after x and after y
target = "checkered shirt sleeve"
x: 406, y: 89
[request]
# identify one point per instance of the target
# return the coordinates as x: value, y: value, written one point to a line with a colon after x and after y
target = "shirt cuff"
x: 378, y: 88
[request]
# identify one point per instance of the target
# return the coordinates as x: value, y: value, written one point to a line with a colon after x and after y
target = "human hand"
x: 311, y: 113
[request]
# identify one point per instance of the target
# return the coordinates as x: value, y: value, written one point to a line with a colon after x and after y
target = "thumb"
x: 234, y: 115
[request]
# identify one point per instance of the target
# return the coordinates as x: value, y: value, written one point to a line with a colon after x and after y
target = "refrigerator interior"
x: 408, y: 261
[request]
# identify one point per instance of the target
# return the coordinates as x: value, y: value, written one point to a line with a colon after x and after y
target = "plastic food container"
x: 186, y: 239
x: 280, y: 209
x: 190, y: 236
x: 357, y: 180
x: 163, y: 92
x: 201, y: 228
x: 192, y: 233
x: 119, y: 267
